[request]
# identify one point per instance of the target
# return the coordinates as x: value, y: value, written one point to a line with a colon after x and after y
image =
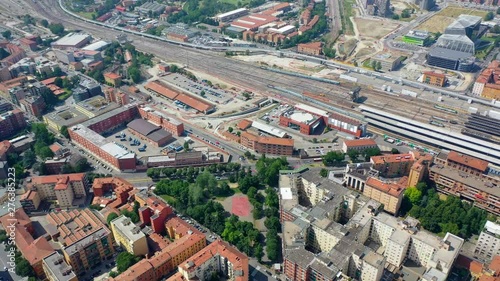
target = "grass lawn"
x: 235, y: 2
x: 171, y: 200
x: 345, y: 13
x: 87, y: 15
x: 65, y: 95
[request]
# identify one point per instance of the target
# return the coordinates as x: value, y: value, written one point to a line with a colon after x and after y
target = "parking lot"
x: 211, y: 93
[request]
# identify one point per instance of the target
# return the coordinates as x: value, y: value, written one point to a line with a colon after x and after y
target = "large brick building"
x: 159, y: 118
x: 313, y: 48
x: 303, y: 121
x: 434, y: 78
x: 487, y: 84
x: 87, y: 135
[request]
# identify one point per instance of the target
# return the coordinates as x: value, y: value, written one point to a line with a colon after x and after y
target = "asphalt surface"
x: 6, y: 275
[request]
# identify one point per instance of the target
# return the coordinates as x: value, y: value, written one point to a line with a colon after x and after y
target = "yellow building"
x: 129, y: 236
x: 390, y: 194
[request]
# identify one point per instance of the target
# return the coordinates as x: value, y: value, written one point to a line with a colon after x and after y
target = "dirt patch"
x: 374, y: 28
x: 364, y: 52
x: 441, y: 20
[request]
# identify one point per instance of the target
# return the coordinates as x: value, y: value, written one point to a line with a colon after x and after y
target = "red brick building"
x: 11, y: 122
x: 313, y: 48
x: 267, y: 145
x: 159, y: 118
x: 300, y: 120
x: 154, y: 211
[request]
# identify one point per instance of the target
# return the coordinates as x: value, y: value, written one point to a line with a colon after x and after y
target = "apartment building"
x: 218, y: 257
x: 153, y: 211
x: 267, y: 145
x: 358, y: 144
x: 69, y: 190
x: 390, y: 194
x: 393, y: 165
x: 129, y: 236
x: 336, y: 228
x: 488, y: 243
x: 11, y: 122
x: 86, y: 253
x: 56, y: 269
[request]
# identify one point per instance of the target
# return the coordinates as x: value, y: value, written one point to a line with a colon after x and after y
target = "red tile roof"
x: 194, y: 102
x: 360, y: 142
x: 435, y: 74
x: 391, y: 188
x: 468, y: 161
x: 244, y: 124
x: 56, y: 178
x: 495, y: 264
x: 392, y: 158
x: 160, y: 88
x: 51, y: 80
x: 111, y: 75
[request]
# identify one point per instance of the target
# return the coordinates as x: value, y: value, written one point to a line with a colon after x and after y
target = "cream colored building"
x: 372, y: 267
x: 63, y: 188
x: 388, y: 193
x: 130, y: 236
x: 488, y: 243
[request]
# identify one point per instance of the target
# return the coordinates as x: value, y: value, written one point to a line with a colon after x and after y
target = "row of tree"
x: 337, y: 158
x: 443, y: 215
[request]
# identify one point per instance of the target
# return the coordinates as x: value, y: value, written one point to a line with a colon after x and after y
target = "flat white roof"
x: 161, y: 158
x: 269, y: 129
x: 302, y: 117
x: 492, y: 227
x: 117, y: 151
x: 231, y: 12
x: 72, y: 39
x: 311, y: 109
x: 96, y: 46
x: 286, y: 193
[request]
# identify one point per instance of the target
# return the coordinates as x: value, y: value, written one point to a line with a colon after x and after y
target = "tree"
x: 323, y: 173
x: 259, y: 252
x: 202, y: 93
x: 113, y: 274
x: 489, y: 16
x: 111, y: 217
x: 186, y: 146
x: 23, y: 268
x: 369, y: 152
x: 394, y: 151
x: 405, y: 13
x: 353, y: 154
x: 134, y: 74
x: 56, y: 28
x: 125, y: 260
x: 414, y: 195
x: 131, y: 215
x: 374, y: 64
x: 437, y: 35
x: 29, y: 158
x: 57, y: 72
x: 395, y: 17
x: 7, y: 34
x: 44, y: 23
x: 379, y: 66
x: 333, y: 158
x: 81, y: 165
x: 230, y: 129
x: 64, y: 131
x: 58, y: 82
x: 273, y: 223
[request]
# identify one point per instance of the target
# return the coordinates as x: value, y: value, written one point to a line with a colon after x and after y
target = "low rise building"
x: 393, y: 165
x: 388, y: 61
x: 112, y: 79
x: 267, y: 145
x: 183, y: 159
x: 72, y: 40
x: 358, y: 144
x: 300, y: 120
x: 417, y: 37
x: 434, y: 78
x: 313, y: 48
x: 149, y: 132
x: 129, y: 236
x: 160, y: 118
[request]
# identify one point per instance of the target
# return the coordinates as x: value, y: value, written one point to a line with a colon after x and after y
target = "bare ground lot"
x: 441, y: 20
x: 374, y: 28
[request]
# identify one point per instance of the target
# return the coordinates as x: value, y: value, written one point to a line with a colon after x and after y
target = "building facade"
x: 129, y: 236
x: 488, y: 243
